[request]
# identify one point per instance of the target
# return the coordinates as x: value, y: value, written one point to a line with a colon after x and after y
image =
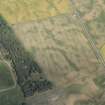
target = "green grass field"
x: 12, y: 97
x: 6, y: 80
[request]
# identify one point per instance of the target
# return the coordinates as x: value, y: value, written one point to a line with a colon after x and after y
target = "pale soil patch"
x: 88, y: 10
x: 74, y: 98
x: 90, y: 89
x: 95, y: 12
x: 101, y: 2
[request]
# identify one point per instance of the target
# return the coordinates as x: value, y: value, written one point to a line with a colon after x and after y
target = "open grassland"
x: 93, y: 12
x: 6, y: 80
x: 26, y: 10
x: 60, y: 48
x: 12, y: 97
x: 102, y: 50
x: 90, y: 9
x: 96, y: 28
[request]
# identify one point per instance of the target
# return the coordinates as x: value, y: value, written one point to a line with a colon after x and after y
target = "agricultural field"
x: 93, y: 12
x: 59, y: 46
x: 9, y: 93
x: 54, y: 61
x: 12, y: 97
x: 24, y: 10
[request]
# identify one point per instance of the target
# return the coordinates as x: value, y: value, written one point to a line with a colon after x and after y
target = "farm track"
x: 88, y: 35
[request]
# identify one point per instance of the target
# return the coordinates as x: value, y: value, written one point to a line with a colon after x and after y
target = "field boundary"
x: 88, y: 35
